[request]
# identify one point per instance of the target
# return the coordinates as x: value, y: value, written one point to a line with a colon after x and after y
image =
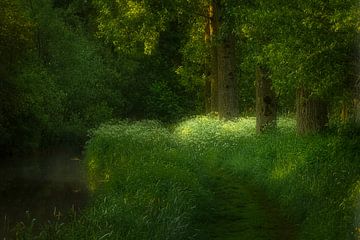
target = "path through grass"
x: 242, y: 212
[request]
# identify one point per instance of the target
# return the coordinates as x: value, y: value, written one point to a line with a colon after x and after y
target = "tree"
x: 311, y: 112
x: 266, y: 111
x: 133, y: 26
x: 56, y: 82
x: 211, y: 84
x: 251, y: 27
x: 307, y: 44
x: 223, y: 64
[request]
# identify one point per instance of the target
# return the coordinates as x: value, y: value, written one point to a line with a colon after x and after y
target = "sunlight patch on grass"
x: 184, y: 132
x: 282, y: 171
x: 243, y: 126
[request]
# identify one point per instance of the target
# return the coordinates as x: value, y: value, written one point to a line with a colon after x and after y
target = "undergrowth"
x: 149, y: 182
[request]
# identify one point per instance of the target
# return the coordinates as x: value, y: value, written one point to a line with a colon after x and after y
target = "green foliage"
x: 16, y: 32
x: 148, y: 36
x: 306, y: 44
x: 39, y: 110
x: 99, y: 60
x: 130, y: 25
x: 59, y: 88
x: 162, y: 103
x: 15, y: 38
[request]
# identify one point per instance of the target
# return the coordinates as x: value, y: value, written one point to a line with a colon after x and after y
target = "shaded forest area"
x: 67, y: 66
x: 278, y: 81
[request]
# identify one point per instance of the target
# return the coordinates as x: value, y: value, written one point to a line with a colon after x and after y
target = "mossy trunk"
x: 311, y: 113
x: 266, y: 110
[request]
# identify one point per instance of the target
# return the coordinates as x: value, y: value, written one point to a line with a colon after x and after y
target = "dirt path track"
x: 242, y: 212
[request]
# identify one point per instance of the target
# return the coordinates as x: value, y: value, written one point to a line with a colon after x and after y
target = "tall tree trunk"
x: 226, y: 82
x: 344, y: 113
x: 354, y: 79
x: 228, y: 100
x: 207, y: 95
x: 224, y: 98
x: 311, y: 113
x: 357, y: 90
x: 212, y: 79
x: 266, y: 110
x: 357, y: 97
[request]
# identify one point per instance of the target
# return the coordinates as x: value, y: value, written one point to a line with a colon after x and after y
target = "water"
x: 45, y: 187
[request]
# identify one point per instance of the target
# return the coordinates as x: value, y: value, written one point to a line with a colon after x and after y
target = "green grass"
x: 209, y: 179
x: 315, y: 178
x: 242, y: 211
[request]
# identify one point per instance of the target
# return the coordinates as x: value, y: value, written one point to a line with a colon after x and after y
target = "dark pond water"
x: 45, y: 187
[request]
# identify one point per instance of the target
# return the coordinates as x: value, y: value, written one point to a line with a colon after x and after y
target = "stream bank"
x: 41, y: 188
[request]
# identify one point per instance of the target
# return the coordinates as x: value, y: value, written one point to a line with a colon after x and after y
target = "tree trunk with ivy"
x: 266, y: 110
x: 311, y: 113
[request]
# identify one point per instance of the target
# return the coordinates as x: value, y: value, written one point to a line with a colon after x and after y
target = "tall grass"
x: 314, y: 179
x: 146, y: 184
x: 149, y: 182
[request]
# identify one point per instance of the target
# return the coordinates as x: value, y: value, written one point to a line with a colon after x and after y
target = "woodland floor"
x: 242, y: 212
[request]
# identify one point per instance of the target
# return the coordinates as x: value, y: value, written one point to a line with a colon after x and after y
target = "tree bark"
x: 212, y: 80
x: 207, y: 95
x: 311, y: 113
x: 354, y: 80
x: 344, y: 113
x: 266, y: 110
x: 222, y: 73
x: 228, y: 100
x: 357, y: 99
x: 357, y: 111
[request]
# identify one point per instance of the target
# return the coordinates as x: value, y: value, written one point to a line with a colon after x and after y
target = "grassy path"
x: 242, y: 212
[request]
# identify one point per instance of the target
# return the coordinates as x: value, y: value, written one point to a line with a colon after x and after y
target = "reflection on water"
x: 42, y: 187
